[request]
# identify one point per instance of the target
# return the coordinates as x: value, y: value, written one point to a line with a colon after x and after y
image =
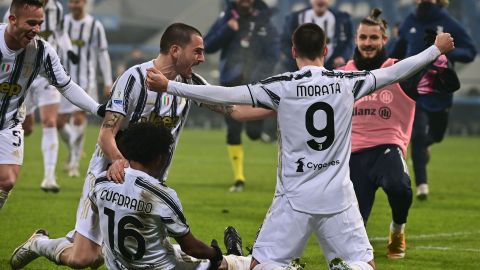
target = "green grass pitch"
x: 442, y: 233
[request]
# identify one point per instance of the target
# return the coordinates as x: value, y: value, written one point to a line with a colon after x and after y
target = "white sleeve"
x: 212, y: 94
x: 76, y: 95
x: 405, y: 68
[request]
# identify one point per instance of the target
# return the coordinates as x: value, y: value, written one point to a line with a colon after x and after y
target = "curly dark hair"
x: 145, y: 142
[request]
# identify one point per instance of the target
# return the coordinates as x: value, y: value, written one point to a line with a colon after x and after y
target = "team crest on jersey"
x: 6, y: 67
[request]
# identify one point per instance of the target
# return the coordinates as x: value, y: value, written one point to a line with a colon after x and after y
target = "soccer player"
x: 23, y: 56
x: 314, y: 107
x: 90, y: 44
x: 381, y: 127
x: 45, y: 96
x: 131, y: 101
x: 137, y: 217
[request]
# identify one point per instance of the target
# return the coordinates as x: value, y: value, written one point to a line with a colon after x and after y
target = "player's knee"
x: 234, y: 139
x: 7, y: 181
x: 84, y: 260
x: 27, y: 130
x: 49, y: 123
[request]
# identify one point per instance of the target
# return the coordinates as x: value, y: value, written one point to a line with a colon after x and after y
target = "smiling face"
x: 189, y: 56
x: 25, y: 23
x: 370, y: 40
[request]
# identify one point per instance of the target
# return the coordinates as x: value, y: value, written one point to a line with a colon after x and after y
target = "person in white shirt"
x: 314, y: 108
x: 23, y: 56
x: 90, y: 45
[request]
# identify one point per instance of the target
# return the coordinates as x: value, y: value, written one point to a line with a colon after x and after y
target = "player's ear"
x: 294, y: 53
x: 12, y: 19
x: 325, y: 51
x: 175, y: 50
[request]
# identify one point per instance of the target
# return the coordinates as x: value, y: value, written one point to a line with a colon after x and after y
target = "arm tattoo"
x: 225, y: 110
x: 112, y: 121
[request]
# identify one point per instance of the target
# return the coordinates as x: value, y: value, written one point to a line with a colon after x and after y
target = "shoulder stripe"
x: 101, y: 180
x: 197, y: 80
x: 342, y: 74
x: 274, y: 97
x: 128, y: 90
x: 50, y: 72
x: 164, y: 196
x: 142, y: 100
x: 356, y: 88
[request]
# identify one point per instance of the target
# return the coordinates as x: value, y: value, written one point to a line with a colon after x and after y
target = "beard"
x: 369, y: 63
x: 423, y: 9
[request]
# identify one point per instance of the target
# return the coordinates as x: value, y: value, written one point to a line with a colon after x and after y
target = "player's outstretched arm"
x: 411, y: 65
x: 203, y: 93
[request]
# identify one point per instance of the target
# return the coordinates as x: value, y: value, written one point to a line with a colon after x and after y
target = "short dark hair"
x: 374, y: 19
x: 309, y: 41
x: 17, y: 4
x: 177, y: 34
x: 145, y: 142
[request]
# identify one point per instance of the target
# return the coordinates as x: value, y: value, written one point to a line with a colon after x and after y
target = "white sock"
x: 66, y: 133
x: 238, y: 262
x: 267, y: 266
x: 50, y: 151
x: 76, y: 144
x: 3, y: 198
x: 51, y: 248
x: 397, y: 228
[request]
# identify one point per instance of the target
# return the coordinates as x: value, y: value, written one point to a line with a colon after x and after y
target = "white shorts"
x: 66, y: 107
x: 285, y: 233
x: 87, y: 221
x: 40, y: 94
x: 11, y: 145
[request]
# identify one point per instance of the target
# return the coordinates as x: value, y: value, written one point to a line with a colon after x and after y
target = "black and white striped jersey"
x: 89, y: 42
x: 314, y: 111
x: 18, y: 69
x: 131, y: 97
x: 135, y: 220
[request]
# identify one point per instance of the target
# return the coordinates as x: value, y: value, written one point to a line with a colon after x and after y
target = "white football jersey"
x: 135, y: 219
x: 131, y: 97
x: 314, y: 109
x: 19, y: 69
x: 88, y: 42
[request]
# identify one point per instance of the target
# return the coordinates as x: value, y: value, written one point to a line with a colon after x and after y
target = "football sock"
x: 397, y: 228
x: 51, y: 248
x: 3, y: 198
x: 77, y: 141
x: 238, y: 262
x: 66, y: 133
x: 50, y: 151
x: 235, y: 152
x: 360, y: 265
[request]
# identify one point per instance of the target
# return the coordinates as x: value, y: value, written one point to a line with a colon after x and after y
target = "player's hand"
x: 156, y: 81
x: 216, y: 261
x: 116, y: 171
x: 444, y: 42
x: 106, y: 90
x: 233, y: 24
x: 102, y: 109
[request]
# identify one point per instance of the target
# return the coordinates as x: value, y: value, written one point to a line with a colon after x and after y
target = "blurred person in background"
x: 337, y: 26
x: 249, y: 45
x: 431, y: 115
x: 90, y: 44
